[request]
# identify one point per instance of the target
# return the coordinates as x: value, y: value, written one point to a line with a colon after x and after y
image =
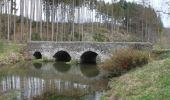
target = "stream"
x: 35, y: 81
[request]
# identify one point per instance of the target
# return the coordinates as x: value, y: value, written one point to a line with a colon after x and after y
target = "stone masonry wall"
x: 76, y: 49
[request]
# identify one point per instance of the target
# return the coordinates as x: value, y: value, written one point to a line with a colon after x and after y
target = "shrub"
x: 125, y: 59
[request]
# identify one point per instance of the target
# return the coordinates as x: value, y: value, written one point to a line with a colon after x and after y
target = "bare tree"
x: 8, y: 13
x: 53, y: 21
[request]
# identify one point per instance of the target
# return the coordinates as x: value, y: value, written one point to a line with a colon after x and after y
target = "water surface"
x: 35, y: 81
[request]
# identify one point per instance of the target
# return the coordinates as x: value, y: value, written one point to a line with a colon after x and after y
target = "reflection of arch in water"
x: 89, y: 57
x: 89, y: 70
x: 37, y: 65
x: 62, y: 67
x: 62, y: 56
x: 37, y: 55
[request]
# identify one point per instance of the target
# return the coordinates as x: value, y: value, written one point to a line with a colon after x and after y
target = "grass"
x: 9, y: 52
x: 151, y: 82
x: 72, y: 62
x: 161, y: 54
x: 44, y: 59
x: 37, y: 60
x: 6, y: 48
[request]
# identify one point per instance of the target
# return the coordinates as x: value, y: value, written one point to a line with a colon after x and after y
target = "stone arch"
x: 63, y: 56
x: 89, y: 57
x: 37, y: 55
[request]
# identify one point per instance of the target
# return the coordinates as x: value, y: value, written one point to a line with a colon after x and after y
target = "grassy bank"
x: 150, y: 82
x: 11, y: 52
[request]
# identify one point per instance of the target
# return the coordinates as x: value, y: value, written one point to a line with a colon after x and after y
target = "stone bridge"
x: 83, y: 52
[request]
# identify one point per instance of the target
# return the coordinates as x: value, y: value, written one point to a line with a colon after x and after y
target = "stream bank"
x: 11, y: 53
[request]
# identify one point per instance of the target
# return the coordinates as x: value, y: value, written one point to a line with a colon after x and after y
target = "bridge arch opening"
x: 62, y: 56
x: 37, y: 55
x: 89, y: 57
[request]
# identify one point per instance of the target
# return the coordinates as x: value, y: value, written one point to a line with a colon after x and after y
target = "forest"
x: 79, y: 20
x: 90, y: 50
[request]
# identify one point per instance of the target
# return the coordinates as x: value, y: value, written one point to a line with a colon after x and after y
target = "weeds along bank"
x: 149, y: 82
x: 123, y: 60
x: 12, y: 52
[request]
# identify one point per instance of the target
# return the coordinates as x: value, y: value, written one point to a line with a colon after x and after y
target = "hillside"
x: 165, y: 39
x: 167, y: 31
x: 79, y: 20
x: 150, y: 82
x: 62, y: 32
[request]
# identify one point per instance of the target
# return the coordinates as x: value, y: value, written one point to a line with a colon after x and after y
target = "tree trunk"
x: 53, y: 21
x: 8, y: 13
x: 31, y: 17
x: 57, y: 32
x: 40, y: 15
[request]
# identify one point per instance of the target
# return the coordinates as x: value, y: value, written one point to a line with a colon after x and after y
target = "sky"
x: 158, y: 5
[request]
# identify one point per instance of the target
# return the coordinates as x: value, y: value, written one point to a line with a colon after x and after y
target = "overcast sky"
x: 157, y: 5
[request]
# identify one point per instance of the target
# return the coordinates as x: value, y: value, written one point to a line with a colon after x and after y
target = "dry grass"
x: 10, y: 53
x: 125, y: 59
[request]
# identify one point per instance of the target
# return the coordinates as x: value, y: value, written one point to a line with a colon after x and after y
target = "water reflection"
x: 73, y: 81
x: 37, y: 65
x: 32, y: 86
x: 89, y: 70
x: 61, y: 67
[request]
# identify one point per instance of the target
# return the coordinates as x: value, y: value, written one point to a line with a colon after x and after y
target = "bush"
x: 125, y: 59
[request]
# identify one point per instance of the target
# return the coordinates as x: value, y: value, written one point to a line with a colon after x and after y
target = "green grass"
x: 9, y: 52
x: 151, y: 82
x: 9, y: 47
x: 72, y: 62
x: 161, y: 54
x: 44, y: 59
x: 37, y: 60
